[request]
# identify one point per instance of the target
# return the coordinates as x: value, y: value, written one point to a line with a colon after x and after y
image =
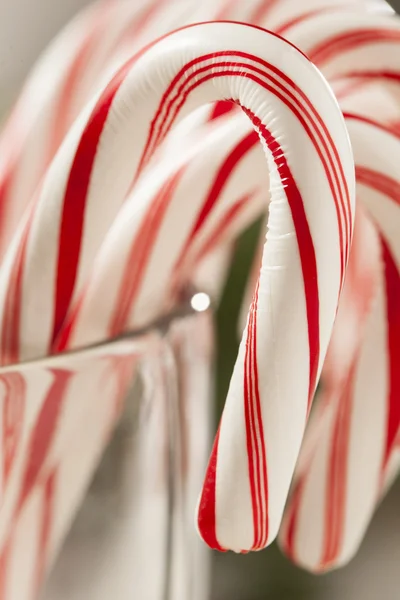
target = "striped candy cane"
x: 289, y: 97
x: 352, y: 53
x: 359, y: 428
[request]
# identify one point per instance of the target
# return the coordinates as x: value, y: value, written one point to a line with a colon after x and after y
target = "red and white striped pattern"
x: 80, y: 269
x: 285, y: 98
x: 342, y: 479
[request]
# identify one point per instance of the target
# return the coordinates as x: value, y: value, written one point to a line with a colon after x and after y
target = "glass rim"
x: 160, y: 326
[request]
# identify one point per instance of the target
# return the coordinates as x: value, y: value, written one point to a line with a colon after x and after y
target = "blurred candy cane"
x: 358, y: 431
x: 87, y: 53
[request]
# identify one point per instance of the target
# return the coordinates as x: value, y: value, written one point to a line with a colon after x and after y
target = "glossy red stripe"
x: 221, y: 108
x: 333, y: 47
x: 253, y: 455
x: 73, y: 210
x: 342, y: 202
x: 260, y: 441
x: 207, y: 507
x: 306, y: 249
x: 6, y: 183
x: 393, y: 347
x: 5, y: 561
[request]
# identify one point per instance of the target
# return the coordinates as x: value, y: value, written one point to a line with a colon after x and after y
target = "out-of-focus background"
x: 26, y: 27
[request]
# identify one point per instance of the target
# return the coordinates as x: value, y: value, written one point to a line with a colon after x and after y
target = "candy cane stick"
x: 312, y: 120
x: 361, y: 422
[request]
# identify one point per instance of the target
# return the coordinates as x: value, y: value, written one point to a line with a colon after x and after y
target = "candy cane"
x: 359, y: 429
x: 335, y: 66
x: 313, y: 121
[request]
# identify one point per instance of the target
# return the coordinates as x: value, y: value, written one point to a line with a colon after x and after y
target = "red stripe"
x: 253, y: 454
x: 73, y: 211
x: 262, y: 476
x: 221, y: 108
x: 332, y: 48
x: 393, y: 346
x: 380, y: 182
x: 369, y: 121
x: 293, y: 519
x: 43, y: 433
x: 45, y: 528
x: 336, y: 488
x: 306, y: 248
x: 225, y: 10
x: 13, y: 412
x: 219, y: 233
x: 225, y: 171
x: 62, y: 113
x: 343, y: 202
x: 140, y: 253
x: 10, y: 327
x: 148, y: 12
x: 379, y: 74
x: 282, y: 29
x: 261, y: 11
x: 207, y: 507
